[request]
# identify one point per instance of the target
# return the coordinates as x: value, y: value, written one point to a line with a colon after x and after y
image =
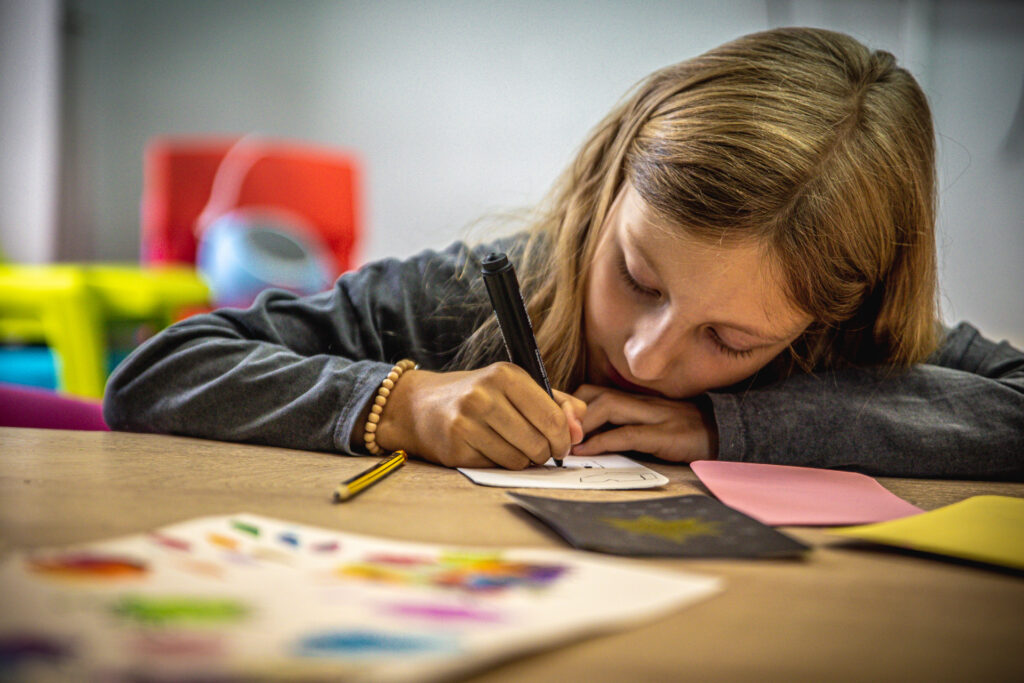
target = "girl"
x: 739, y: 263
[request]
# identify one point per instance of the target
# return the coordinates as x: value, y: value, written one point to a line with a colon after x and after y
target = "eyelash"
x: 631, y: 282
x: 728, y: 350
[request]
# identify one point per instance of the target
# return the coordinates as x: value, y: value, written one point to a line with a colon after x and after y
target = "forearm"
x: 295, y: 372
x: 199, y: 381
x: 926, y: 422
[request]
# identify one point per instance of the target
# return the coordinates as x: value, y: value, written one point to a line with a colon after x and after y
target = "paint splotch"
x: 444, y: 613
x: 203, y: 568
x: 270, y: 554
x: 466, y: 572
x: 245, y: 527
x: 88, y: 566
x: 367, y: 643
x: 178, y: 644
x: 222, y: 541
x: 23, y: 648
x: 170, y: 542
x: 160, y: 611
x: 326, y: 547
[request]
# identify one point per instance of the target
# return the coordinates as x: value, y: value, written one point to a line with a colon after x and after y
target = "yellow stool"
x: 71, y: 307
x: 52, y: 304
x: 152, y: 294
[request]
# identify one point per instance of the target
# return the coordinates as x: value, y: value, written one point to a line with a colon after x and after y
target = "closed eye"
x: 631, y: 282
x: 725, y: 348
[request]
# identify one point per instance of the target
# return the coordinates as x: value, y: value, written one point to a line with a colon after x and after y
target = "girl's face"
x: 671, y: 316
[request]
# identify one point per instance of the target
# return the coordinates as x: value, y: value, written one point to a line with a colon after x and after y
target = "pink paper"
x: 803, y: 496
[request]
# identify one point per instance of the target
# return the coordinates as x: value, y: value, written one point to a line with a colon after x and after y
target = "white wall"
x: 977, y: 77
x: 462, y: 107
x: 29, y: 129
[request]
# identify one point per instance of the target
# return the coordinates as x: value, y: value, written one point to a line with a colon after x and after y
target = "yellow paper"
x: 982, y: 528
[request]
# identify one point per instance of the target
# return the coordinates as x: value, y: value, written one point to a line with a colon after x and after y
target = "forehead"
x: 733, y: 283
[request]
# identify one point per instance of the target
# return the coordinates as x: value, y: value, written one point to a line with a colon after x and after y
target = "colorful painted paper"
x: 242, y: 596
x: 677, y: 526
x: 800, y: 496
x: 986, y: 529
x: 606, y: 472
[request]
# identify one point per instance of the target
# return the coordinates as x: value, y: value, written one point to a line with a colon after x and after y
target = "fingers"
x: 522, y: 436
x: 496, y: 415
x: 501, y: 413
x: 658, y: 441
x: 467, y: 458
x: 575, y: 410
x: 575, y: 425
x: 608, y: 406
x: 588, y: 392
x: 627, y: 438
x: 679, y: 431
x: 543, y: 415
x: 475, y: 444
x: 493, y: 448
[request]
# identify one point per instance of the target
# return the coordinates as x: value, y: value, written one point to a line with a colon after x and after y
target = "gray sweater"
x: 296, y: 372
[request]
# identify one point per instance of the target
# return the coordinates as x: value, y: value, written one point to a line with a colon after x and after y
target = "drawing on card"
x: 623, y: 477
x: 615, y: 472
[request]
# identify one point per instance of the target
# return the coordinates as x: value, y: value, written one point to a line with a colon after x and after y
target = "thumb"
x: 574, y: 410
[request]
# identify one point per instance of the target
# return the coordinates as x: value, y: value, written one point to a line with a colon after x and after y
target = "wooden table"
x: 843, y: 613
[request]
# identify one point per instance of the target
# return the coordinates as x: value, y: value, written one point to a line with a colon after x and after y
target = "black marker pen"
x: 516, y: 329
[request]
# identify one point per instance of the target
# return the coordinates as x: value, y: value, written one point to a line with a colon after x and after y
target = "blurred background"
x: 457, y: 109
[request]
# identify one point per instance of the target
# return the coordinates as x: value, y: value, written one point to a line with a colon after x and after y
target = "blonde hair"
x: 799, y: 139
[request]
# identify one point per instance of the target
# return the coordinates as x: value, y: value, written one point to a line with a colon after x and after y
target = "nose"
x: 650, y: 351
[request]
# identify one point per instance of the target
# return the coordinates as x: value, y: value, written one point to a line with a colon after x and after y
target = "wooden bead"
x: 380, y: 400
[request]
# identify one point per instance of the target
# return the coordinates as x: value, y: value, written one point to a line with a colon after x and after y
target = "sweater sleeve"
x: 961, y: 415
x: 296, y: 372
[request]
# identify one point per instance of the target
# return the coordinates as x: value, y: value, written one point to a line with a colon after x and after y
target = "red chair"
x: 40, y: 409
x: 320, y: 185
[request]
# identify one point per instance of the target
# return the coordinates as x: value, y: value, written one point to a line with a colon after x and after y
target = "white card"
x: 596, y: 472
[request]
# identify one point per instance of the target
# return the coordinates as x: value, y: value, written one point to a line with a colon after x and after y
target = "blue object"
x: 31, y: 366
x: 243, y: 252
x: 36, y: 366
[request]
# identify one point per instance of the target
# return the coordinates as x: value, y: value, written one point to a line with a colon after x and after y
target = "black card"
x: 679, y: 526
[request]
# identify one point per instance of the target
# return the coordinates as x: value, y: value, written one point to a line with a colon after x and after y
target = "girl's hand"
x: 495, y: 416
x: 679, y: 431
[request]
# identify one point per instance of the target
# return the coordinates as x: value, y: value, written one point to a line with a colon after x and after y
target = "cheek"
x: 607, y: 313
x: 716, y: 371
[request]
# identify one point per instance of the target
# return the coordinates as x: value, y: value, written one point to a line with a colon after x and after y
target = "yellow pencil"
x: 354, y: 485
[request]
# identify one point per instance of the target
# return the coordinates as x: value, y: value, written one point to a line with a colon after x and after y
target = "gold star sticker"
x: 676, y: 530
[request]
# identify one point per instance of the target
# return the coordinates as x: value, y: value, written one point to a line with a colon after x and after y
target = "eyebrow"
x: 768, y: 339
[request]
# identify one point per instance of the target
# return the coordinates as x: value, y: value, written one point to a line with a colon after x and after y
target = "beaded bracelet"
x: 373, y: 419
